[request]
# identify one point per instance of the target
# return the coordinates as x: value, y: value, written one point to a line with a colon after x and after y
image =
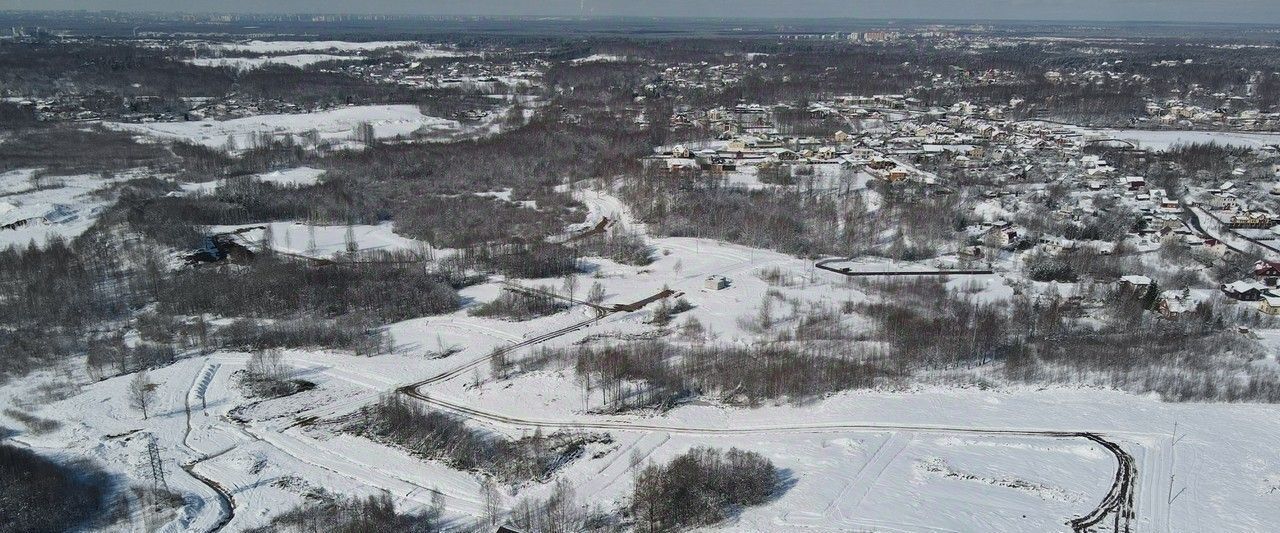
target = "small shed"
x: 715, y: 283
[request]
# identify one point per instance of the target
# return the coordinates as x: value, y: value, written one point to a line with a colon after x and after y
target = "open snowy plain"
x: 1000, y: 458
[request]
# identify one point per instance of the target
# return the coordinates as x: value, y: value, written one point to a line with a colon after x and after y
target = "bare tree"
x: 498, y: 363
x: 141, y: 391
x: 267, y: 365
x: 570, y: 284
x: 492, y: 501
x: 596, y: 294
x: 268, y: 243
x: 350, y: 239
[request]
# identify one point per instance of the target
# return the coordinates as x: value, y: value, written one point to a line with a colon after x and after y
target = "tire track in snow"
x: 226, y: 502
x: 856, y: 492
x: 1116, y: 504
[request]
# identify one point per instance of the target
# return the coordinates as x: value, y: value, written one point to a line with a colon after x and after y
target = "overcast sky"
x: 1257, y: 11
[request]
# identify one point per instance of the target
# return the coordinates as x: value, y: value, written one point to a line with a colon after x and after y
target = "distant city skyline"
x: 1185, y: 11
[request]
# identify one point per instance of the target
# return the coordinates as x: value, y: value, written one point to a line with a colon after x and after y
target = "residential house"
x: 1247, y: 291
x: 1269, y: 304
x: 1173, y: 304
x: 1250, y: 220
x: 1135, y: 282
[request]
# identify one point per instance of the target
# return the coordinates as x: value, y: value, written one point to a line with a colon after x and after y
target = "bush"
x: 702, y: 487
x: 625, y: 248
x: 521, y: 305
x: 266, y: 376
x: 776, y: 174
x: 1043, y: 267
x: 438, y: 436
x: 657, y: 374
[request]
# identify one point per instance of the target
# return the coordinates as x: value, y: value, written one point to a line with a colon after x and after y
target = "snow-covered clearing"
x: 930, y: 459
x: 599, y: 58
x: 249, y: 63
x: 335, y: 125
x: 878, y: 479
x: 1165, y: 139
x: 36, y: 210
x: 433, y: 52
x: 293, y: 177
x: 282, y: 47
x: 309, y: 240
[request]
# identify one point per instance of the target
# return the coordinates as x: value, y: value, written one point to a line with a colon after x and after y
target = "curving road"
x: 1114, y: 511
x: 1116, y: 505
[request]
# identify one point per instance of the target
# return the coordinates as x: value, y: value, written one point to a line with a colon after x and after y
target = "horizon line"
x: 743, y: 18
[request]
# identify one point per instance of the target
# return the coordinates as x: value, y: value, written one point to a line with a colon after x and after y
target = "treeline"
x: 52, y: 299
x: 654, y: 374
x: 112, y: 69
x: 105, y: 73
x: 362, y: 337
x: 279, y: 288
x: 1048, y: 339
x: 428, y: 190
x: 702, y: 487
x: 805, y: 353
x: 57, y: 299
x: 534, y: 260
x: 75, y: 148
x: 440, y: 180
x: 786, y: 221
x: 438, y: 436
x: 802, y: 220
x: 342, y: 514
x: 72, y: 298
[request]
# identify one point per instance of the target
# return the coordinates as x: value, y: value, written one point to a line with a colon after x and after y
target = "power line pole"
x: 157, y: 465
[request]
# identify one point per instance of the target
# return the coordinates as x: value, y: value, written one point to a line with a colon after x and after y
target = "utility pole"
x: 1174, y: 439
x: 157, y: 465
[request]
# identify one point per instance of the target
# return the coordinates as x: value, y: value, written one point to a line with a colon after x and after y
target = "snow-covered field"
x: 324, y: 241
x: 249, y: 63
x: 930, y: 459
x: 599, y: 58
x: 286, y: 47
x: 335, y: 125
x: 34, y: 211
x: 293, y: 177
x: 840, y: 480
x: 1163, y: 140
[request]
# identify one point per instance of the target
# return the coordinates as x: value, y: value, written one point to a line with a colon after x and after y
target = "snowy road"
x: 1115, y: 509
x: 1117, y: 505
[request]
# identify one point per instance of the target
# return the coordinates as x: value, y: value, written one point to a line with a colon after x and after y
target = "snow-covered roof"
x: 1136, y: 280
x: 1243, y: 286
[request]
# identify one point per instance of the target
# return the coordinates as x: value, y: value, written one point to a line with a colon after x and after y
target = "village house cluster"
x: 894, y: 141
